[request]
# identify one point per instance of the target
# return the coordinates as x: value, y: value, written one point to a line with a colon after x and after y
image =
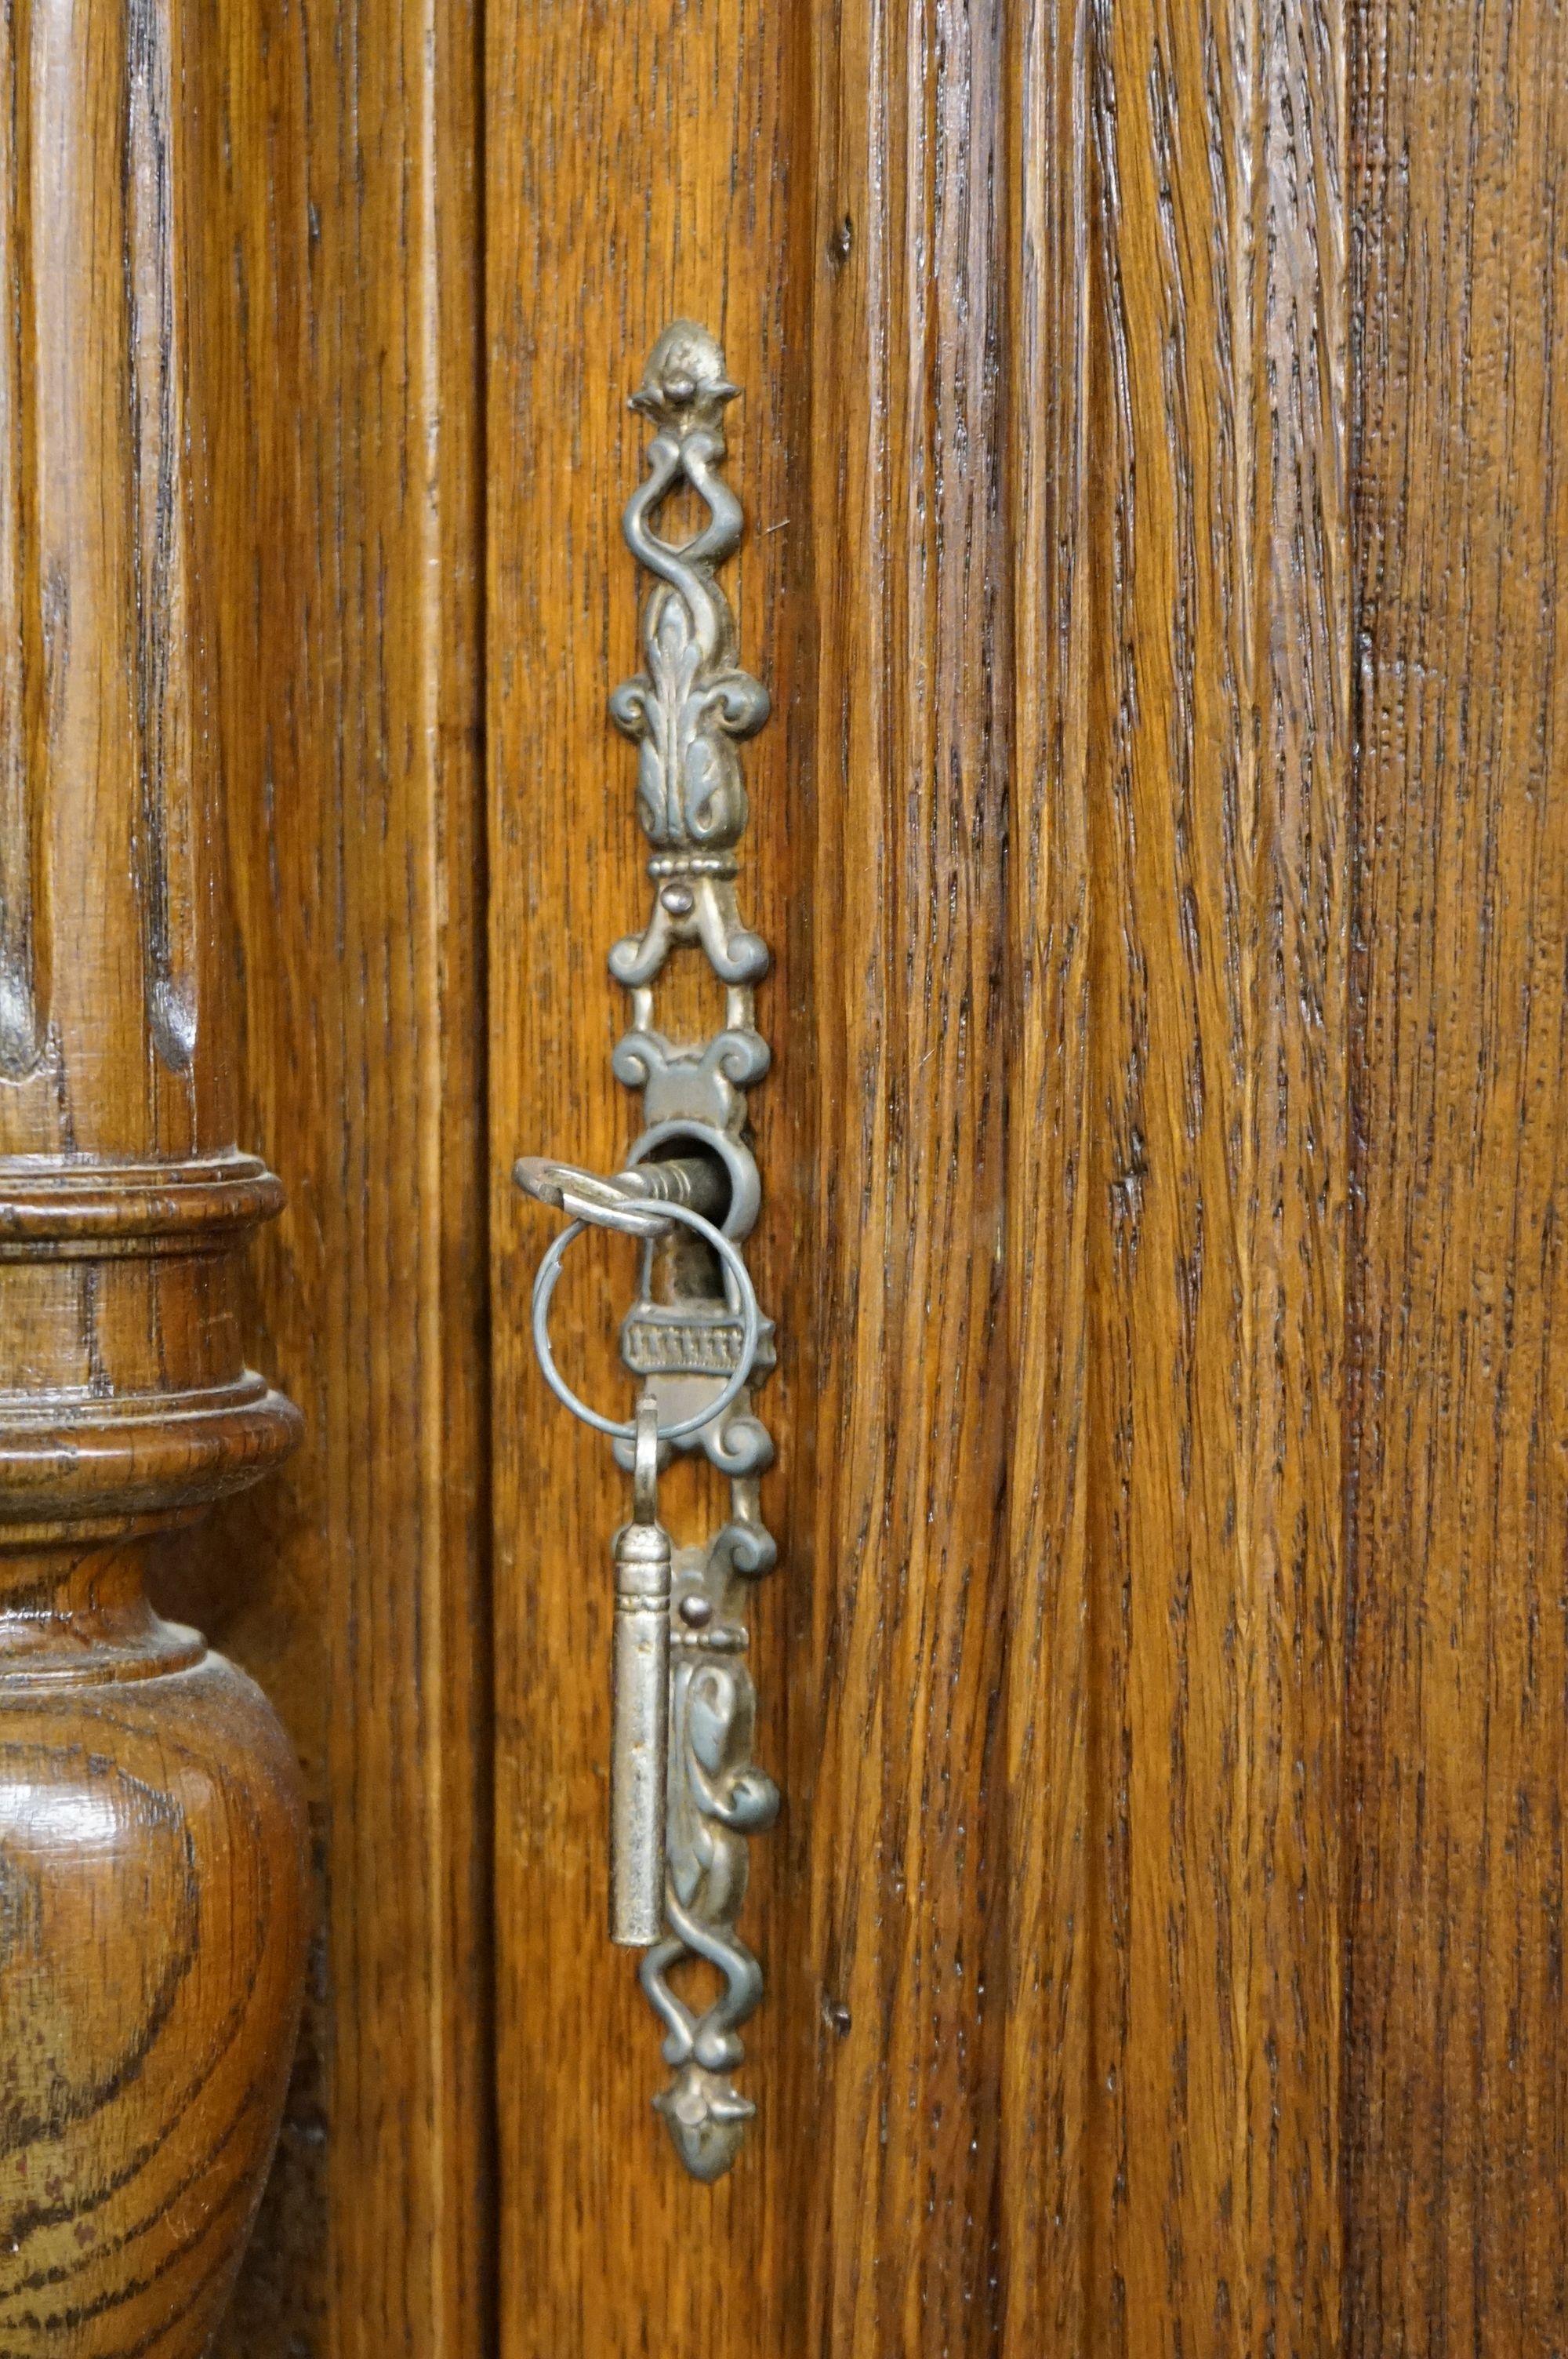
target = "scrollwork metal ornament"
x: 688, y: 712
x: 695, y: 1340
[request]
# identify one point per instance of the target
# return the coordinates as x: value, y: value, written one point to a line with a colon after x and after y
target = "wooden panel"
x: 334, y: 399
x: 1054, y: 1927
x: 1178, y: 1183
x: 1457, y: 2066
x: 908, y: 1410
x: 862, y: 2216
x: 635, y: 169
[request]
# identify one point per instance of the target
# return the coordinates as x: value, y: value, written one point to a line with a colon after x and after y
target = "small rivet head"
x: 697, y: 1611
x: 678, y: 900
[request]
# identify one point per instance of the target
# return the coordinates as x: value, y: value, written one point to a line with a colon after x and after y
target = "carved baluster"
x: 151, y: 1829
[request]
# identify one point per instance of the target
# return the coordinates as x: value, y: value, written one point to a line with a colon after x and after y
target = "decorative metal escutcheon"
x: 695, y: 1339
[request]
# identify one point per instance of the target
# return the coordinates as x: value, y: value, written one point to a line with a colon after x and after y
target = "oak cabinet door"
x: 1147, y: 445
x: 1148, y: 439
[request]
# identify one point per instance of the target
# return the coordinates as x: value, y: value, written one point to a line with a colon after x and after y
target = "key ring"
x: 595, y: 1204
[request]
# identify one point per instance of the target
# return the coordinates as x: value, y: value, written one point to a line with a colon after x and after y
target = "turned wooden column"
x: 151, y: 1829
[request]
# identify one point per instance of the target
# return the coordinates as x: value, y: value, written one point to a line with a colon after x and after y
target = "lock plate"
x: 695, y: 1340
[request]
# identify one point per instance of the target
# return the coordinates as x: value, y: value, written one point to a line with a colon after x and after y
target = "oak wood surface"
x: 906, y: 1426
x: 635, y: 172
x: 1164, y: 1668
x: 334, y: 399
x: 1058, y: 1899
x: 151, y: 1823
x: 152, y: 1842
x: 1457, y: 2065
x: 1176, y: 1266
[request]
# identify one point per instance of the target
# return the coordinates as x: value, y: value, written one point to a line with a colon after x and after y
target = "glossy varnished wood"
x: 1059, y: 1131
x: 1456, y: 2076
x: 152, y: 1832
x: 334, y: 397
x: 152, y: 1840
x: 1103, y: 1748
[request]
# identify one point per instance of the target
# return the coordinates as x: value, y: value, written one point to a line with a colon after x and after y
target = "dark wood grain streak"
x: 335, y: 399
x: 1456, y: 2068
x: 1055, y: 2290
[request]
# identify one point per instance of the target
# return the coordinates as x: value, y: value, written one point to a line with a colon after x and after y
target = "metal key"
x: 641, y: 1700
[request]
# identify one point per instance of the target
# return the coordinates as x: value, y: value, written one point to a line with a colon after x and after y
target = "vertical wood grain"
x: 1056, y: 2289
x: 639, y: 166
x: 335, y: 406
x: 24, y: 931
x: 100, y: 666
x: 1054, y: 1926
x: 1178, y: 1182
x: 1042, y: 318
x: 909, y: 1408
x: 152, y: 1825
x: 1456, y: 2067
x: 864, y: 2212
